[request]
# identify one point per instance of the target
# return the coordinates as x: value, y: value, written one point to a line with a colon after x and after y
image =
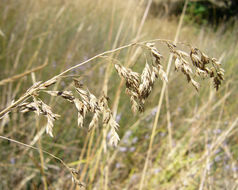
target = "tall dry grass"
x: 194, y: 142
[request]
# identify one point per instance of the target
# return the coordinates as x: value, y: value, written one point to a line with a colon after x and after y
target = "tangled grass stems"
x: 160, y: 102
x: 13, y: 78
x: 54, y: 79
x: 72, y: 171
x: 138, y: 86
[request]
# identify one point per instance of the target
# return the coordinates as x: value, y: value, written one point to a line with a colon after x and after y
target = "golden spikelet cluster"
x: 132, y: 85
x: 139, y: 87
x: 40, y: 108
x: 87, y: 102
x: 98, y: 107
x: 197, y: 64
x: 157, y: 67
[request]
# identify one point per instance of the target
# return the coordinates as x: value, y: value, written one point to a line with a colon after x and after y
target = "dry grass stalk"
x: 74, y: 173
x: 86, y: 103
x: 157, y: 67
x: 40, y: 108
x: 13, y: 78
x: 200, y: 64
x: 132, y: 84
x: 147, y: 82
x: 215, y: 71
x: 89, y: 103
x: 195, y: 63
x: 138, y: 86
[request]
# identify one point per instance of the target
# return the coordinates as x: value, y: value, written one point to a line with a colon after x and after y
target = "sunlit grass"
x: 68, y: 32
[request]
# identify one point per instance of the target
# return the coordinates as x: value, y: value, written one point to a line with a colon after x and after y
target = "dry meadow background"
x: 193, y: 144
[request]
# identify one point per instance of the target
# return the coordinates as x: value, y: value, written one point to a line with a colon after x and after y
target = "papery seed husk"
x: 94, y: 121
x: 106, y: 116
x: 80, y: 120
x: 178, y: 64
x: 182, y: 53
x: 195, y: 84
x: 195, y: 59
x: 49, y: 83
x: 204, y: 58
x: 134, y: 105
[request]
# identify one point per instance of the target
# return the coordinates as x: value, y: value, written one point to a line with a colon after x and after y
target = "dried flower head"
x: 39, y: 107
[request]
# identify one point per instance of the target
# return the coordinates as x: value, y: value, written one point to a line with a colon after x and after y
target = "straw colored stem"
x: 160, y: 104
x: 11, y: 79
x: 25, y: 96
x: 34, y: 148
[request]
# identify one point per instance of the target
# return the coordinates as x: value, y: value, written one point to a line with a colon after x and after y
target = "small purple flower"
x: 132, y: 149
x: 122, y: 149
x: 156, y: 170
x: 162, y: 134
x: 109, y: 135
x: 209, y: 146
x: 235, y: 169
x: 118, y: 165
x: 147, y: 136
x: 154, y: 110
x: 118, y: 117
x: 128, y: 134
x: 227, y: 167
x: 13, y: 161
x: 217, y: 158
x: 217, y: 151
x: 217, y: 131
x: 125, y: 141
x: 134, y: 177
x: 134, y: 140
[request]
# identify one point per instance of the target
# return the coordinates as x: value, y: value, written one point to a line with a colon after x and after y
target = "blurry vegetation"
x: 200, y: 11
x: 63, y: 33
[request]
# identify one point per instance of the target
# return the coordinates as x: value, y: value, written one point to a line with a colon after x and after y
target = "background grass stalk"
x: 142, y: 181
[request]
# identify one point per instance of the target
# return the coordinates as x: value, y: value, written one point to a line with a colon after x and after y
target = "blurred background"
x: 195, y: 145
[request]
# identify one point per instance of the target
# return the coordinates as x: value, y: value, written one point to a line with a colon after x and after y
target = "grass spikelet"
x: 82, y: 110
x: 132, y: 78
x: 195, y: 84
x: 138, y: 86
x: 94, y: 122
x: 157, y: 63
x: 39, y: 107
x: 194, y: 57
x: 146, y: 82
x: 114, y: 137
x: 68, y: 95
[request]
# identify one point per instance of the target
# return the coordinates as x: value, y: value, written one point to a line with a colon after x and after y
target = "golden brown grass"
x: 178, y: 133
x: 138, y: 87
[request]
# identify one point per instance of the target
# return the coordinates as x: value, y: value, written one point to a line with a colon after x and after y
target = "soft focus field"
x: 196, y: 139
